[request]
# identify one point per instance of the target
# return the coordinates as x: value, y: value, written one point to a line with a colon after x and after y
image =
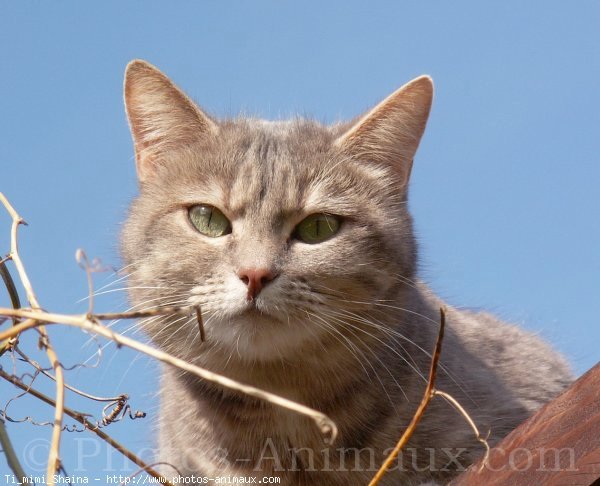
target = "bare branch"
x: 91, y: 324
x: 11, y: 456
x: 35, y: 317
x: 14, y: 300
x: 87, y: 424
x: 469, y: 420
x: 37, y: 366
x: 10, y: 286
x: 427, y: 396
x: 53, y: 457
x: 200, y: 324
x: 14, y: 251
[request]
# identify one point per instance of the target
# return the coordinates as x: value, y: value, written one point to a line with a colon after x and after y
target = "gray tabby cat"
x: 296, y: 240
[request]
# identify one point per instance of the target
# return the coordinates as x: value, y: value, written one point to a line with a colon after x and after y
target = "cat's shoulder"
x: 523, y: 358
x: 517, y: 356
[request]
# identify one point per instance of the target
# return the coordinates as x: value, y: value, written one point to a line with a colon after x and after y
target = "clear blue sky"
x: 504, y: 188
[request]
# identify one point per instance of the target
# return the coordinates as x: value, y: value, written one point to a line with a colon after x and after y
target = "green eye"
x: 317, y: 228
x: 209, y: 221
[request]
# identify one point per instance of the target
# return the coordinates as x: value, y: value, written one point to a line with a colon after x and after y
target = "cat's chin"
x: 256, y: 322
x: 256, y: 335
x: 253, y: 317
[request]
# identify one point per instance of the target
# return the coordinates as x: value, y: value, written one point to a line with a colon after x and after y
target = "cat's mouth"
x: 258, y: 309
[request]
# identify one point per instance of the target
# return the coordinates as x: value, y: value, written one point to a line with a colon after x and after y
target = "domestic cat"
x: 296, y: 241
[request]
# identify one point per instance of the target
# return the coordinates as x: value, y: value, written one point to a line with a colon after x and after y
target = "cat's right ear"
x: 162, y: 118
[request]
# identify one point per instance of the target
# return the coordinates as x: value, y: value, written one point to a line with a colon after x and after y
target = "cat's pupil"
x: 209, y: 221
x: 317, y: 228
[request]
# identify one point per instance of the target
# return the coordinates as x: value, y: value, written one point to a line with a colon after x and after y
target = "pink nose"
x: 255, y: 279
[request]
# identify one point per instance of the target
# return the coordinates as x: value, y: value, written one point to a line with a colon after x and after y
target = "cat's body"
x: 331, y: 316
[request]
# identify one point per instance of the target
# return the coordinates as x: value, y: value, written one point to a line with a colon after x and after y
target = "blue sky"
x: 504, y: 187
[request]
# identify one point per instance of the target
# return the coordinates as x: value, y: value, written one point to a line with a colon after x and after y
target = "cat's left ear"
x: 390, y: 133
x: 162, y: 118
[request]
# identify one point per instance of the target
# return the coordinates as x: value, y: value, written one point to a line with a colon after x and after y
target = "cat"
x: 296, y: 241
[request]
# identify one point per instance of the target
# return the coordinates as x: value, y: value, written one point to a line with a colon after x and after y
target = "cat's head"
x: 283, y: 232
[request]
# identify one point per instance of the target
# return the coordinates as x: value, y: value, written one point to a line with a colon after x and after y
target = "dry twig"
x: 92, y: 324
x: 35, y: 317
x: 427, y: 396
x: 469, y: 420
x: 80, y: 417
x: 15, y: 302
x: 429, y: 393
x: 53, y: 457
x: 11, y: 456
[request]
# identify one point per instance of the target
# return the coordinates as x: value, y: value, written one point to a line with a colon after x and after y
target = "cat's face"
x: 282, y: 232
